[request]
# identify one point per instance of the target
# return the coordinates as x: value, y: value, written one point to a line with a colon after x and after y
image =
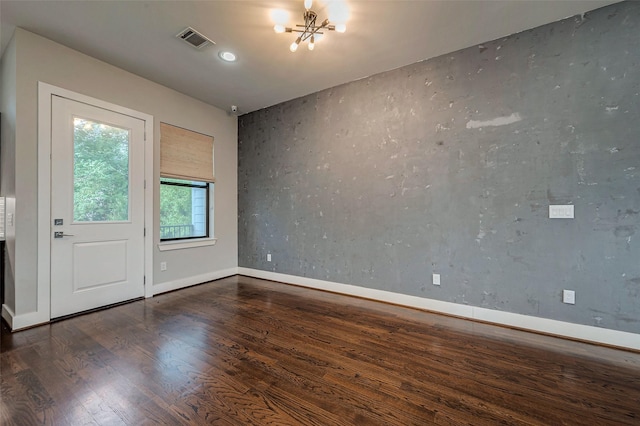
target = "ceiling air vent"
x: 194, y: 38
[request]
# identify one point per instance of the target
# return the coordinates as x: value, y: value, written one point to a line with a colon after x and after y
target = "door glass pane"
x: 100, y: 172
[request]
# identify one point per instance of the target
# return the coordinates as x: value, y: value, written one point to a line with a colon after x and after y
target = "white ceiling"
x: 139, y: 36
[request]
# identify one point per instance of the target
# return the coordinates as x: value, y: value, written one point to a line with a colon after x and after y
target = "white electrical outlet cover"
x: 268, y: 257
x: 569, y: 297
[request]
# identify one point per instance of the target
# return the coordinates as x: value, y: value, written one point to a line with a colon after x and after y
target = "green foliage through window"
x: 183, y: 209
x: 100, y: 172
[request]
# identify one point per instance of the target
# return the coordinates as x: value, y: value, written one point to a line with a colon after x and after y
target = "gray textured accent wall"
x: 449, y: 165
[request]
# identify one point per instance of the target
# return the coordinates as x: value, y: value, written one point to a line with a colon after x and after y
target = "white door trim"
x: 45, y: 92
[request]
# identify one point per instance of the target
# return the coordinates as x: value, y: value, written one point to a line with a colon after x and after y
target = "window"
x: 186, y: 185
x: 184, y: 207
x: 100, y: 172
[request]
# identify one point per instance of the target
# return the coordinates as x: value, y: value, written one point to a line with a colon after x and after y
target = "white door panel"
x: 109, y: 259
x: 97, y: 207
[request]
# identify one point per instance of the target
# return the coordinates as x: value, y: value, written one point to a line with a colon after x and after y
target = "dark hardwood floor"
x: 242, y: 351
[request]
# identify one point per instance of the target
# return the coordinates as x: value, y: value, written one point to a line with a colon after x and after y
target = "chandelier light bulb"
x: 278, y: 28
x: 307, y: 4
x: 294, y: 45
x: 312, y: 43
x: 341, y: 28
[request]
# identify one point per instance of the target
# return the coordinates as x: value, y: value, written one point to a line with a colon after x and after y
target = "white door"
x: 97, y: 207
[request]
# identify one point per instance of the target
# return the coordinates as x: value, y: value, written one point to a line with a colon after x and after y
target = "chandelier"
x: 309, y: 30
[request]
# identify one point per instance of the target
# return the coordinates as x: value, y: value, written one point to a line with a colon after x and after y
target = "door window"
x: 100, y: 172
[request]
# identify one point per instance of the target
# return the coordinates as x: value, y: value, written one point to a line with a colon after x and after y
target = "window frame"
x: 207, y: 238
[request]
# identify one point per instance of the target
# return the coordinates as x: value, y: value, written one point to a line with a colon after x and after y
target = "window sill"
x: 184, y: 244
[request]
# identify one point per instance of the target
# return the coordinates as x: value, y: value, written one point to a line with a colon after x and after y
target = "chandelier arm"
x: 302, y: 32
x: 311, y: 28
x: 306, y: 36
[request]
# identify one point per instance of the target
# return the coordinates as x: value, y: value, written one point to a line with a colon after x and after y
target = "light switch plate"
x: 561, y: 211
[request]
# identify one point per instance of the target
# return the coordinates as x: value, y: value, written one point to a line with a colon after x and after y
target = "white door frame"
x: 45, y: 92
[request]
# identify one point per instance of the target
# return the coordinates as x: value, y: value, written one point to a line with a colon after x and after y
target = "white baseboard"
x: 18, y: 322
x: 526, y: 322
x: 8, y: 315
x: 189, y: 281
x: 543, y: 325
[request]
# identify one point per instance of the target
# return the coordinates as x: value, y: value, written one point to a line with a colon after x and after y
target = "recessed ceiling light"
x: 227, y: 56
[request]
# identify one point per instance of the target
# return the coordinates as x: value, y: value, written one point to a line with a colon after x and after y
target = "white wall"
x: 7, y: 158
x: 39, y: 59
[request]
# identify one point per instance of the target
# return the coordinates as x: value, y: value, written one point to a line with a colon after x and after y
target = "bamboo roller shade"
x: 185, y: 154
